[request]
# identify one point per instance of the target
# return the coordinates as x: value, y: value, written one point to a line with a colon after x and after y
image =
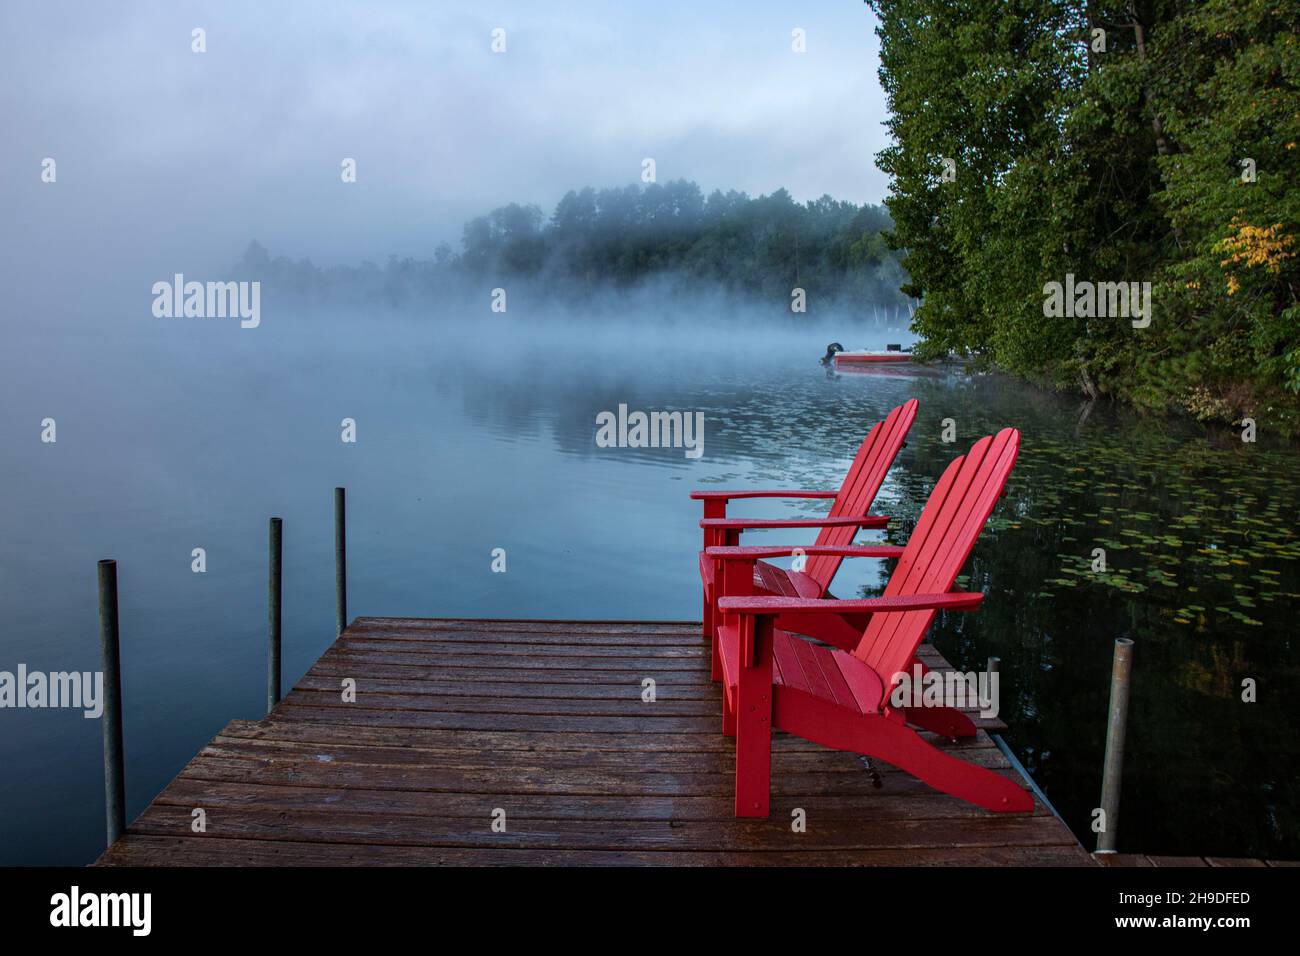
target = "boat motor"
x: 831, y: 349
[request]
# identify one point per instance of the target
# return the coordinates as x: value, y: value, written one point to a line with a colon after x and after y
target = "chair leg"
x: 711, y: 635
x: 728, y: 713
x: 906, y: 750
x: 754, y: 721
x: 715, y: 665
x: 706, y: 630
x: 821, y: 721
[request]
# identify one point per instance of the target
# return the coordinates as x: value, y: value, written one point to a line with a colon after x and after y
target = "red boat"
x: 890, y: 353
x: 864, y: 356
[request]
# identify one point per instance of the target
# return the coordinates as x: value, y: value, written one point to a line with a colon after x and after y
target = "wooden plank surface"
x: 455, y: 720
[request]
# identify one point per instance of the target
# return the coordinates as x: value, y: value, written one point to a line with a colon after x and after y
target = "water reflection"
x: 171, y: 441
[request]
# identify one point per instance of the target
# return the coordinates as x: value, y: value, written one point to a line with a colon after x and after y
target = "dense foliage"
x: 759, y: 249
x: 1153, y: 141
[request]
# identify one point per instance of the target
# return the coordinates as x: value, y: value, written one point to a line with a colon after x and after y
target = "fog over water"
x: 170, y: 160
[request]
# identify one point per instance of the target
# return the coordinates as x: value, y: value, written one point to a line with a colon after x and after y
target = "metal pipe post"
x: 274, y: 587
x: 1116, y: 728
x: 114, y: 773
x: 340, y: 559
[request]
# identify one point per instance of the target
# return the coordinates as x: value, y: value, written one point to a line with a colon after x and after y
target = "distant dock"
x: 529, y: 742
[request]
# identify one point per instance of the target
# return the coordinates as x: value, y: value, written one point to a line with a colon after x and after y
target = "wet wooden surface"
x: 457, y: 720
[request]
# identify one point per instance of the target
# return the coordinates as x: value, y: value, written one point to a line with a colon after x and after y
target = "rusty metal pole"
x: 1116, y: 728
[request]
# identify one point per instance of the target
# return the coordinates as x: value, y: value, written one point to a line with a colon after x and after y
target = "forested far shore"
x: 1042, y: 142
x: 757, y: 250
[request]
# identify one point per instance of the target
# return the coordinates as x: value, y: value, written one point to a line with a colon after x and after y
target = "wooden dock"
x: 455, y: 721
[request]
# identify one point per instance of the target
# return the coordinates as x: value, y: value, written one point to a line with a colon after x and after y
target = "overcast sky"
x: 162, y: 152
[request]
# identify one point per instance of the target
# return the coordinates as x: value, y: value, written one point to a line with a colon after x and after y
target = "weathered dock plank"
x: 456, y: 719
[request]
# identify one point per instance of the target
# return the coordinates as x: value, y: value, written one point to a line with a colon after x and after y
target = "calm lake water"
x: 188, y: 434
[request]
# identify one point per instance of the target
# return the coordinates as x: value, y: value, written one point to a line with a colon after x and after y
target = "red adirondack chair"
x: 846, y: 516
x: 839, y: 699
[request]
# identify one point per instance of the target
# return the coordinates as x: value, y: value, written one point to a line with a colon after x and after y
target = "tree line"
x: 755, y: 248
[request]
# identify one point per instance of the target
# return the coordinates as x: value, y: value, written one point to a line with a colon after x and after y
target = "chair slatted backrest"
x: 860, y: 486
x: 950, y: 523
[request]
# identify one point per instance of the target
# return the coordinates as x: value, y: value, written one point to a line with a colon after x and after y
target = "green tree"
x: 1103, y: 139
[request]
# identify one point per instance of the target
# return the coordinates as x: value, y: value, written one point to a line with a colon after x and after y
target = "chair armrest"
x: 733, y: 552
x: 951, y: 601
x: 740, y: 524
x: 761, y: 493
